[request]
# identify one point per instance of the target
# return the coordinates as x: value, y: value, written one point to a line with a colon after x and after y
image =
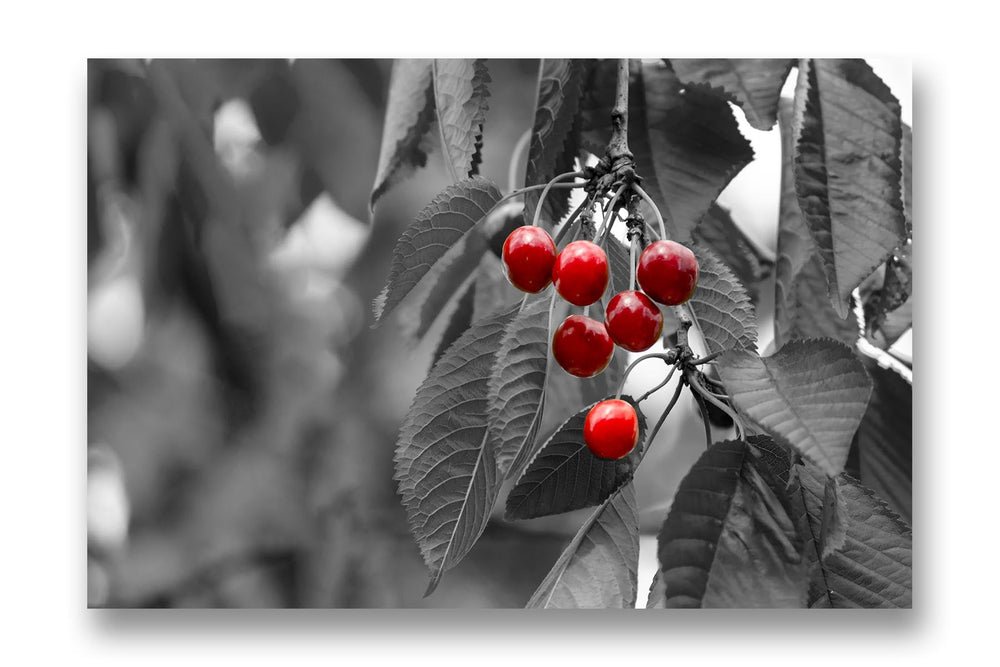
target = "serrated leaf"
x: 802, y: 307
x: 873, y: 566
x: 619, y: 262
x: 753, y: 84
x: 847, y: 177
x: 657, y: 598
x: 439, y: 251
x: 517, y: 386
x: 695, y: 143
x: 447, y: 474
x: 814, y: 315
x: 599, y: 568
x: 795, y: 247
x: 729, y: 539
x: 409, y: 114
x: 460, y: 92
x: 810, y: 395
x: 716, y: 230
x: 721, y: 308
x: 885, y: 440
x: 566, y: 476
x: 560, y: 86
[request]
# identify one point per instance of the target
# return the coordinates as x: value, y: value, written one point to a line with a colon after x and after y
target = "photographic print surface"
x: 560, y: 333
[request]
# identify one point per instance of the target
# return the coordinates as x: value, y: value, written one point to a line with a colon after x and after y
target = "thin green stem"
x: 658, y: 387
x: 663, y: 418
x: 659, y: 218
x: 710, y: 397
x: 707, y: 358
x: 609, y: 213
x: 631, y: 263
x: 666, y: 356
x: 704, y: 418
x: 548, y: 186
x: 572, y: 219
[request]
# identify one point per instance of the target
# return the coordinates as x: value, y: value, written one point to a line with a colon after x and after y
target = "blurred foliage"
x: 242, y: 413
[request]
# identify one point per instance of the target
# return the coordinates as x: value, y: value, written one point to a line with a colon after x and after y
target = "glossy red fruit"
x: 611, y: 429
x: 581, y: 273
x: 582, y: 346
x: 633, y: 321
x: 528, y: 256
x: 667, y: 272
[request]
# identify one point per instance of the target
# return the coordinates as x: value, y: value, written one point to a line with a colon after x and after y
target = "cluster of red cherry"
x: 667, y: 272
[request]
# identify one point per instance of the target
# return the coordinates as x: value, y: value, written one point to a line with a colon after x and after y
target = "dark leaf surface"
x: 716, y: 230
x: 885, y: 440
x: 754, y: 84
x: 460, y: 93
x: 873, y: 566
x: 722, y: 310
x: 447, y: 475
x: 695, y: 143
x: 848, y: 170
x: 439, y: 250
x: 810, y: 395
x: 566, y: 476
x: 408, y: 117
x: 729, y: 539
x: 560, y: 87
x: 599, y: 568
x: 517, y: 386
x: 814, y: 314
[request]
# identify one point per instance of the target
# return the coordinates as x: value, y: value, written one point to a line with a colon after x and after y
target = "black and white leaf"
x: 885, y: 439
x: 730, y: 539
x: 754, y: 83
x: 439, y: 251
x: 721, y: 309
x: 446, y: 470
x: 560, y: 87
x: 810, y: 395
x: 409, y: 115
x: 872, y: 568
x: 848, y: 136
x: 460, y: 92
x: 599, y: 568
x: 566, y: 476
x: 517, y: 386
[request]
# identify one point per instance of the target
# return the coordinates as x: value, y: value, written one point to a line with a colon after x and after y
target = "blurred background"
x: 242, y: 413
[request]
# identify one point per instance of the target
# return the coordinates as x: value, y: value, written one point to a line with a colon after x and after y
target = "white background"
x: 44, y: 287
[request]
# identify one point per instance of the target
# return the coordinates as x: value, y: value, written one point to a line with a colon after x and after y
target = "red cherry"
x: 611, y: 429
x: 581, y: 273
x: 667, y: 272
x: 633, y: 321
x: 582, y: 346
x: 528, y: 256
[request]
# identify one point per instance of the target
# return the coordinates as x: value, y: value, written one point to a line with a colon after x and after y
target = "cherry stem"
x: 668, y: 357
x: 659, y: 218
x: 548, y: 186
x: 704, y: 418
x: 663, y: 418
x: 710, y: 397
x: 631, y: 263
x: 609, y: 214
x: 572, y: 219
x: 657, y: 387
x: 707, y: 358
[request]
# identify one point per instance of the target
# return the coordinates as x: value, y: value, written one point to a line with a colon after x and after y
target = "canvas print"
x: 467, y: 333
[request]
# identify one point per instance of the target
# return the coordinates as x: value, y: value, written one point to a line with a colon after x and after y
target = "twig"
x: 618, y: 146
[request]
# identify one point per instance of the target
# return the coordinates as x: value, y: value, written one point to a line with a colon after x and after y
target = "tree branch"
x: 618, y: 146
